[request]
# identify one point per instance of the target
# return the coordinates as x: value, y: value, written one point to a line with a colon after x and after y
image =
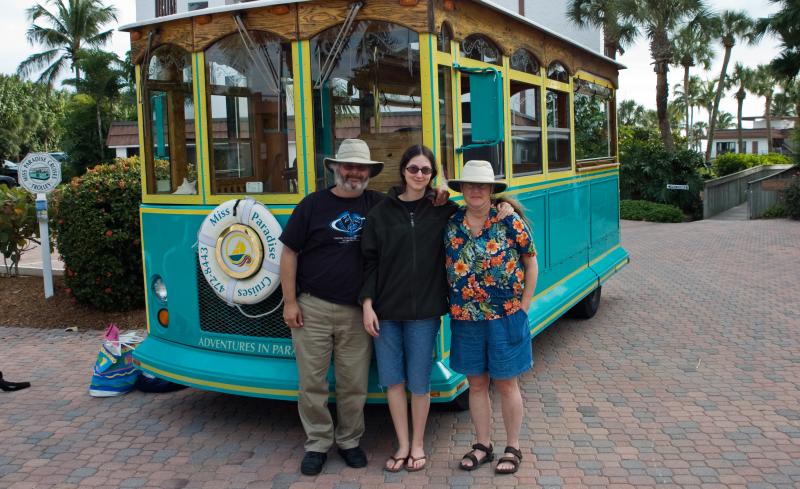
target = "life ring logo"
x: 239, y: 251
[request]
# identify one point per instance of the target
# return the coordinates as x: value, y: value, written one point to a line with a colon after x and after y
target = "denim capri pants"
x: 404, y: 350
x: 502, y: 347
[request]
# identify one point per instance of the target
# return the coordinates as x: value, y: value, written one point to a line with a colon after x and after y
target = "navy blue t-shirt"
x: 325, y: 231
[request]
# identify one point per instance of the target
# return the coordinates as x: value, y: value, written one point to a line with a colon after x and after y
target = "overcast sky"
x: 636, y: 82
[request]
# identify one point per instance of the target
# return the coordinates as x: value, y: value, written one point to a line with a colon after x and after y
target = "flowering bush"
x: 98, y: 236
x: 17, y: 225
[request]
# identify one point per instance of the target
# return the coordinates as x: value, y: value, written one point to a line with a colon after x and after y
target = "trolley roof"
x: 269, y: 3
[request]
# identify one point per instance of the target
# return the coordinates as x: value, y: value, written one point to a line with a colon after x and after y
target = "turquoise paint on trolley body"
x: 573, y: 224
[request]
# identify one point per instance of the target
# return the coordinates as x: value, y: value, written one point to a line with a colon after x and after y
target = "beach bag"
x: 114, y: 373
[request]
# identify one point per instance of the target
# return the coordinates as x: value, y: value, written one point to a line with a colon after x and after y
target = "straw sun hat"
x: 355, y: 151
x: 478, y: 171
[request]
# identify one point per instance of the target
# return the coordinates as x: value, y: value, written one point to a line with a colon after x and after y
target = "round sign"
x: 39, y: 173
x: 239, y: 251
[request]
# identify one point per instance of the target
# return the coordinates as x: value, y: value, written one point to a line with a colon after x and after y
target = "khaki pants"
x: 337, y: 329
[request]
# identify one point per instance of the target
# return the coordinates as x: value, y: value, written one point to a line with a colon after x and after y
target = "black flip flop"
x: 7, y: 386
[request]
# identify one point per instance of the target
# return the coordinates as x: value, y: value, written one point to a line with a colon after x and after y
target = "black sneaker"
x: 354, y: 457
x: 312, y: 463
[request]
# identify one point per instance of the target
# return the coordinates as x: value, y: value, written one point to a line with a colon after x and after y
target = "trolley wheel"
x: 588, y: 306
x: 460, y: 403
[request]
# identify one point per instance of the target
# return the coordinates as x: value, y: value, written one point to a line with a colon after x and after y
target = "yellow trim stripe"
x: 603, y: 255
x: 203, y: 212
x: 261, y: 390
x: 144, y: 275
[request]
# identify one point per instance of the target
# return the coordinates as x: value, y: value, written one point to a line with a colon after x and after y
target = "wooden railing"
x: 165, y: 7
x: 721, y: 194
x: 766, y: 192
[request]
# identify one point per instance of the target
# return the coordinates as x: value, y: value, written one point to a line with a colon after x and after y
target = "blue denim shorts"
x: 501, y: 347
x: 404, y: 350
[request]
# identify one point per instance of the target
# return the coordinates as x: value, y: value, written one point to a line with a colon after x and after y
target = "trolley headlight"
x: 159, y: 289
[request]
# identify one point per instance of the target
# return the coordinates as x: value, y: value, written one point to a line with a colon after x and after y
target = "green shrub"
x: 791, y: 199
x: 776, y: 211
x: 98, y: 236
x: 774, y: 159
x: 18, y: 225
x: 642, y: 210
x: 728, y: 163
x: 646, y: 169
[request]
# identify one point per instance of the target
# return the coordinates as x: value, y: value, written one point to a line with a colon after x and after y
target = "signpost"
x: 39, y: 174
x: 675, y: 186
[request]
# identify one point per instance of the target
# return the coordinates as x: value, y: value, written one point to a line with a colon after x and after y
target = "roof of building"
x: 759, y: 133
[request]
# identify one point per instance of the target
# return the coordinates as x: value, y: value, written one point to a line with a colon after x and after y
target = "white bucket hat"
x: 355, y: 151
x: 478, y: 171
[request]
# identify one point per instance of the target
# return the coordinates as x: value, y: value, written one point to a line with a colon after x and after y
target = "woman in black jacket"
x: 405, y: 294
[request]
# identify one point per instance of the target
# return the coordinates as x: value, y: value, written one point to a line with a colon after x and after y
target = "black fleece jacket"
x: 404, y: 271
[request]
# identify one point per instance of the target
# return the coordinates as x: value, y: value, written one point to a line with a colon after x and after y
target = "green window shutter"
x: 486, y: 106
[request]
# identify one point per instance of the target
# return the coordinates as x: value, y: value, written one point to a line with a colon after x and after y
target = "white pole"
x: 44, y: 234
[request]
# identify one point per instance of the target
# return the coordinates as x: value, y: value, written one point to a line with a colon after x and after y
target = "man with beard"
x: 321, y: 279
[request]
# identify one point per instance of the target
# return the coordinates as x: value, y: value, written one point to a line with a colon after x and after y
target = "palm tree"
x: 604, y: 14
x: 706, y: 95
x: 729, y: 26
x: 691, y: 98
x: 103, y: 81
x: 75, y: 25
x: 630, y: 113
x: 743, y: 78
x: 764, y: 86
x: 658, y: 18
x: 691, y: 46
x: 792, y: 89
x: 698, y: 132
x: 785, y: 24
x: 724, y: 120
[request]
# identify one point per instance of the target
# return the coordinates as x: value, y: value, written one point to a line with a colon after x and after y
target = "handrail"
x: 748, y: 171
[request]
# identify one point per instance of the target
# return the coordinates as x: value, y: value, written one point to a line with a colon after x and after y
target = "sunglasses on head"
x: 413, y: 169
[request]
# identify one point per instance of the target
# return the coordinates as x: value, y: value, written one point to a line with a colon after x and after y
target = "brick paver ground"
x: 689, y: 376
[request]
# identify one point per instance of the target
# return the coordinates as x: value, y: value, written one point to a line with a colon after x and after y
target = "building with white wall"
x: 755, y: 139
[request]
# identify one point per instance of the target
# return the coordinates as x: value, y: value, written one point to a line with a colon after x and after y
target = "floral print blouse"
x: 484, y: 273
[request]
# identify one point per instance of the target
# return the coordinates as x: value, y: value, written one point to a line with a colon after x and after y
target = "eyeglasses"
x: 413, y: 169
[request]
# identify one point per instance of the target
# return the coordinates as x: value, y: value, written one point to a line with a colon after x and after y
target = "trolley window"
x: 170, y: 157
x: 559, y: 155
x: 249, y: 77
x: 481, y: 48
x: 523, y: 60
x: 526, y: 129
x: 592, y: 120
x: 367, y: 88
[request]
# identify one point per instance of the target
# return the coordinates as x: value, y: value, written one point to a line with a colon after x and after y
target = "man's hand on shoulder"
x: 441, y: 195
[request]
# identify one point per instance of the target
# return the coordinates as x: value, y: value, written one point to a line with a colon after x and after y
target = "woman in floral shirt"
x: 491, y: 272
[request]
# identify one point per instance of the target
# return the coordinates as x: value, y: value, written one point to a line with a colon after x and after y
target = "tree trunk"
x: 712, y: 122
x: 100, y: 130
x: 767, y: 115
x: 740, y: 102
x: 686, y: 104
x: 610, y: 46
x: 662, y: 55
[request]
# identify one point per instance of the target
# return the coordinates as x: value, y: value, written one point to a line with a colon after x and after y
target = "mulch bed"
x: 22, y: 303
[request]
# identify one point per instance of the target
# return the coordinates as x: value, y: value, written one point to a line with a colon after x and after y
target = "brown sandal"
x: 514, y: 459
x: 475, y: 462
x: 411, y: 461
x: 394, y: 460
